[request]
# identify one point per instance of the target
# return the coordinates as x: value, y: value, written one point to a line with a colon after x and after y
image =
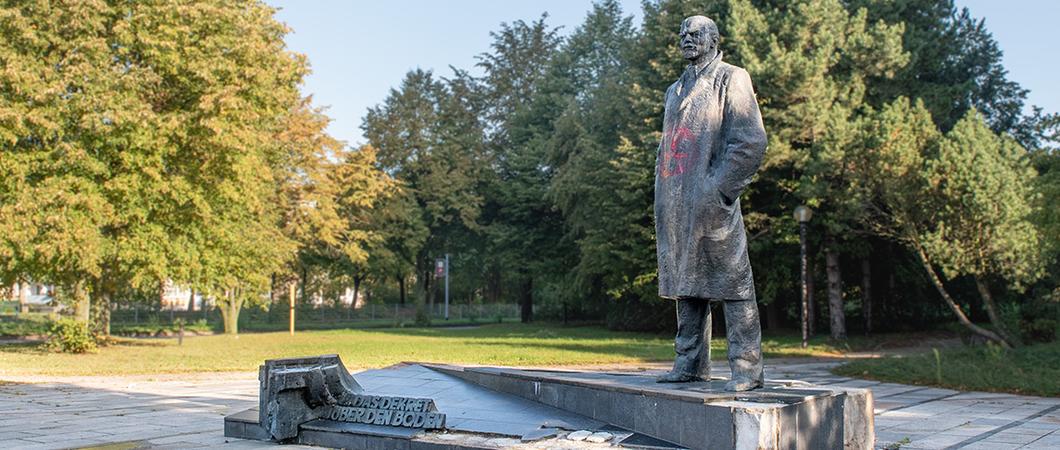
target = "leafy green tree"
x: 955, y: 64
x: 813, y: 61
x: 585, y: 141
x: 959, y: 201
x: 362, y: 186
x: 981, y: 194
x: 429, y: 136
x: 307, y: 191
x: 512, y: 72
x: 54, y: 127
x: 1046, y: 218
x: 522, y: 224
x: 400, y: 225
x: 231, y: 96
x: 138, y: 144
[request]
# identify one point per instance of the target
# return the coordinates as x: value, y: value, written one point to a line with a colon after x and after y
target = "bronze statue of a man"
x: 713, y: 142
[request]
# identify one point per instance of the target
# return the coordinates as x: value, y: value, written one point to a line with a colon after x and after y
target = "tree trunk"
x: 526, y: 301
x: 811, y: 303
x: 100, y: 309
x: 835, y: 293
x: 772, y: 315
x: 161, y: 293
x: 356, y: 291
x: 961, y: 317
x: 22, y: 304
x: 423, y: 316
x: 889, y: 299
x: 493, y: 286
x: 230, y: 312
x: 401, y: 288
x: 887, y: 294
x: 191, y: 300
x: 429, y: 292
x: 101, y: 313
x: 82, y: 303
x: 866, y: 292
x: 305, y: 286
x: 991, y: 311
x: 272, y: 289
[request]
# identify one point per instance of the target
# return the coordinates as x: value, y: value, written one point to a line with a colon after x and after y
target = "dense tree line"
x: 150, y: 142
x: 893, y: 120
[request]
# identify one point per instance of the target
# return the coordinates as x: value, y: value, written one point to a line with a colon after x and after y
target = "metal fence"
x: 14, y: 308
x: 318, y: 316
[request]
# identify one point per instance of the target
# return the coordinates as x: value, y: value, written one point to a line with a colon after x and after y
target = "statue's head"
x: 699, y: 38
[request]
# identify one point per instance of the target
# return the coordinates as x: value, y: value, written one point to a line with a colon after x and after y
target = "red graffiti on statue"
x: 681, y: 155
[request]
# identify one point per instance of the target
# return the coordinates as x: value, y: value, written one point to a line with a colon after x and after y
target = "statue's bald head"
x: 699, y: 38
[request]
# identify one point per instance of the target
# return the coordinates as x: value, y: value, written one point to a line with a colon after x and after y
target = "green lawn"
x: 24, y: 325
x: 497, y: 344
x: 1031, y: 370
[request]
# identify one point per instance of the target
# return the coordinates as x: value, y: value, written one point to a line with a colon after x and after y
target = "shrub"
x: 423, y: 319
x: 71, y: 336
x: 25, y: 325
x: 1032, y: 322
x: 1039, y: 330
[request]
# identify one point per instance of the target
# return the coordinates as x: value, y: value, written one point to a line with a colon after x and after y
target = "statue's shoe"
x: 678, y: 377
x: 742, y: 384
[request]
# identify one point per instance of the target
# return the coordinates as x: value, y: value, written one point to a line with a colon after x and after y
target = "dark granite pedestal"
x: 489, y: 407
x: 783, y: 415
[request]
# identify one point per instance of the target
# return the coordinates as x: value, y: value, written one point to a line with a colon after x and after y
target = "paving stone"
x: 186, y: 413
x: 543, y: 433
x: 579, y: 435
x: 600, y: 437
x: 1008, y: 437
x: 990, y: 446
x: 940, y: 440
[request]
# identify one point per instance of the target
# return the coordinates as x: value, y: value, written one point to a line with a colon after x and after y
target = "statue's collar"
x: 700, y: 70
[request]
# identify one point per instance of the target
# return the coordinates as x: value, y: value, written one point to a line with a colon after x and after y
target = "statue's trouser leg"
x: 744, y: 332
x: 692, y: 343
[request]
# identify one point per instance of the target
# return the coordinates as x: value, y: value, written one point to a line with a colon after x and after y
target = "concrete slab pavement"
x: 187, y: 410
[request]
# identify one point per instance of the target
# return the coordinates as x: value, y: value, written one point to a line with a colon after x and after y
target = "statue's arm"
x: 745, y: 137
x: 666, y: 101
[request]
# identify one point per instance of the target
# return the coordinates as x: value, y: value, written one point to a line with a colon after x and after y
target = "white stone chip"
x: 599, y: 437
x: 503, y: 442
x: 580, y: 435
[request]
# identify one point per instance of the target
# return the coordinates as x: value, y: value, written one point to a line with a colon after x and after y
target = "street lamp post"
x: 441, y: 269
x: 290, y: 296
x: 446, y: 286
x: 803, y: 214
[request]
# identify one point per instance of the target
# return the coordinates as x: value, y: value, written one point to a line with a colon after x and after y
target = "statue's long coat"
x: 713, y: 142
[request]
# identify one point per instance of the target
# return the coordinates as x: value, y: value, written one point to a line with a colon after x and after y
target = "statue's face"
x: 696, y: 38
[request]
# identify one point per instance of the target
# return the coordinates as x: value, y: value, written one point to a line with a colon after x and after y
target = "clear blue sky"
x: 360, y: 49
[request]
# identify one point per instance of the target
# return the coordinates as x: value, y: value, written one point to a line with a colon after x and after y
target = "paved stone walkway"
x: 186, y: 411
x: 918, y: 417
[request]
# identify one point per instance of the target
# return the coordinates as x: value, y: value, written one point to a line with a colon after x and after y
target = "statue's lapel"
x: 704, y: 82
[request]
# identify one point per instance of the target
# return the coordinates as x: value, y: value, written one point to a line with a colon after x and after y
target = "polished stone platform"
x: 486, y: 405
x: 783, y: 414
